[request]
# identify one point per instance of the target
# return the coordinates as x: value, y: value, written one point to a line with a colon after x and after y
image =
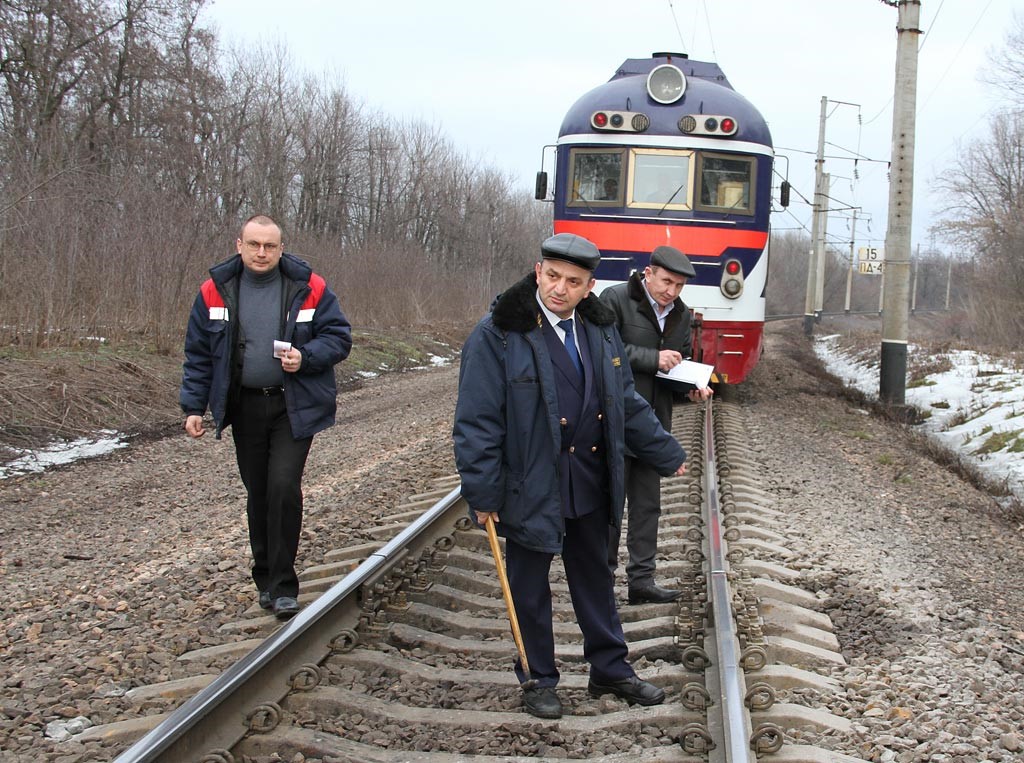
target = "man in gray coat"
x: 655, y: 328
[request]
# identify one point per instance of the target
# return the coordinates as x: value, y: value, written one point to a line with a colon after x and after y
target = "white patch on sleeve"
x: 305, y: 316
x: 218, y: 313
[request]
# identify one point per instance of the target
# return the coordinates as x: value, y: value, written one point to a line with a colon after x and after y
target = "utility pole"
x: 949, y: 281
x: 816, y: 235
x: 849, y: 273
x: 913, y: 290
x: 819, y: 254
x: 895, y: 319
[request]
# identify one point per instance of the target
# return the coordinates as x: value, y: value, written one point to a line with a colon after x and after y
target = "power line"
x: 857, y: 156
x: 676, y: 22
x: 711, y: 37
x: 930, y: 28
x: 955, y: 56
x: 951, y: 60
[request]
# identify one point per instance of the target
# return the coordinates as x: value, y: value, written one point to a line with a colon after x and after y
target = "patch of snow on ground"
x: 976, y: 407
x: 61, y: 453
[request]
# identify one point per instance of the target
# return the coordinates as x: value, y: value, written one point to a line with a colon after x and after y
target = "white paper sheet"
x: 698, y: 374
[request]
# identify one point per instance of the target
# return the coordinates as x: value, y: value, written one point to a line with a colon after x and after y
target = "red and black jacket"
x: 311, y: 320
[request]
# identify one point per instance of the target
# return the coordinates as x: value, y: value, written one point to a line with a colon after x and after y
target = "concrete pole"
x: 949, y: 282
x: 892, y: 385
x: 849, y: 273
x: 913, y: 290
x: 819, y: 254
x: 819, y: 203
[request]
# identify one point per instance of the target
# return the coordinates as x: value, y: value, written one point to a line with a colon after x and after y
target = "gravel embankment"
x: 110, y: 569
x: 922, y: 575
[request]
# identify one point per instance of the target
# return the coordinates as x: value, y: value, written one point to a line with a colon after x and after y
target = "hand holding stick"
x: 492, y: 536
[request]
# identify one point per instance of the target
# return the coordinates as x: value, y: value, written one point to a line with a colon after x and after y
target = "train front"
x: 666, y: 152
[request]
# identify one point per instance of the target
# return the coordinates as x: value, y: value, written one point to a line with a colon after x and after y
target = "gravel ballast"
x: 112, y: 568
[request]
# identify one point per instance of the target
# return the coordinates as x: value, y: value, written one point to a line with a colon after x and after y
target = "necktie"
x: 570, y: 345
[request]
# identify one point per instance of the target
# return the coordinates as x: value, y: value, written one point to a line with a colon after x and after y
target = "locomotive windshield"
x: 662, y: 179
x: 726, y: 183
x: 596, y: 177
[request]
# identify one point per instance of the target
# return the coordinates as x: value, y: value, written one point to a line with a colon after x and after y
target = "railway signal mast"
x: 895, y: 313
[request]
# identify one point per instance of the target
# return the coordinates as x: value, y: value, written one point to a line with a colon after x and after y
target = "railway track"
x: 404, y: 652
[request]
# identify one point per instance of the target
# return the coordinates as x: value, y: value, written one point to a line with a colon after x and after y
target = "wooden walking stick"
x: 492, y: 536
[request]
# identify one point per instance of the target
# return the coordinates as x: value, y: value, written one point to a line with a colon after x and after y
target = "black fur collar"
x: 516, y: 308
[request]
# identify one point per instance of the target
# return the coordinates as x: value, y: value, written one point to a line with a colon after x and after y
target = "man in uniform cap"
x: 546, y: 408
x: 655, y: 328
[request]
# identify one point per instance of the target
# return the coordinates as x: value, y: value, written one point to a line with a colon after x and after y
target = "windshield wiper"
x: 586, y: 201
x: 670, y: 199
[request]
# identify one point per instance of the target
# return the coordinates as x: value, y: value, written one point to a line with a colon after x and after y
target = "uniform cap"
x: 672, y: 259
x: 571, y: 248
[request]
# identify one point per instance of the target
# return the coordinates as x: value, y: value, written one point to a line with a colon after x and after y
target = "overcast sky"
x: 498, y: 77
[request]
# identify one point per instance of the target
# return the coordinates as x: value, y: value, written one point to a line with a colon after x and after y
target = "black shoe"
x: 652, y: 594
x: 631, y: 689
x: 265, y: 601
x: 542, y: 702
x: 285, y: 607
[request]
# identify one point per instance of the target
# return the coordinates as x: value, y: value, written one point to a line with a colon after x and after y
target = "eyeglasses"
x: 253, y: 247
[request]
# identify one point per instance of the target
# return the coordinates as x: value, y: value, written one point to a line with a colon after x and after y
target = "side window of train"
x: 595, y: 177
x: 661, y: 179
x: 727, y: 183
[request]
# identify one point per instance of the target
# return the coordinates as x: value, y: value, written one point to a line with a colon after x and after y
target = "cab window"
x: 596, y: 177
x: 726, y: 183
x: 661, y: 179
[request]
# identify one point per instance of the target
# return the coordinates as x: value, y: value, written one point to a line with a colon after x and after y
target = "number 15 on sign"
x: 870, y: 260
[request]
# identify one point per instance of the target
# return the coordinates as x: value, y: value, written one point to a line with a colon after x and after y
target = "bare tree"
x: 1005, y: 69
x: 131, y: 147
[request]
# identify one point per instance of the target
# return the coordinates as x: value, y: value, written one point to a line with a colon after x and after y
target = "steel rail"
x: 208, y: 721
x: 840, y: 313
x: 734, y: 718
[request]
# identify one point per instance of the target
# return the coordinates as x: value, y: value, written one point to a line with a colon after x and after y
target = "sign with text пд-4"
x: 870, y: 260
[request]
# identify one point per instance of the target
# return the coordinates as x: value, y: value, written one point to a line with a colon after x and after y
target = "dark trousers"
x: 584, y: 555
x: 643, y: 504
x: 271, y: 463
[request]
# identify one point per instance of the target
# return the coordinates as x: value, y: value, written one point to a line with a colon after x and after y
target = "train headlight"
x: 707, y: 124
x: 619, y: 121
x: 732, y: 279
x: 666, y: 83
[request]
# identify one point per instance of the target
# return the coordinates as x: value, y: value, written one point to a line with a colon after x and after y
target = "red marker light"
x: 728, y: 124
x: 732, y: 267
x: 600, y: 119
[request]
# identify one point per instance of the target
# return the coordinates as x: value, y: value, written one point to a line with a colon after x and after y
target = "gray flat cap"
x: 571, y: 248
x: 672, y: 259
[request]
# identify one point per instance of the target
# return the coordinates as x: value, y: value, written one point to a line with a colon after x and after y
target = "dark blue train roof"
x: 707, y: 92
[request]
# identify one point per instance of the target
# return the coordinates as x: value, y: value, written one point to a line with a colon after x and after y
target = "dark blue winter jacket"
x: 311, y: 320
x: 507, y: 434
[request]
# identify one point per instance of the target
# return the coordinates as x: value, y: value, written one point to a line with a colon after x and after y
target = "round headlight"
x: 666, y: 84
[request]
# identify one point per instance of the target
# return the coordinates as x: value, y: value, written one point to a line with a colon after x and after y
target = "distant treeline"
x: 131, y: 145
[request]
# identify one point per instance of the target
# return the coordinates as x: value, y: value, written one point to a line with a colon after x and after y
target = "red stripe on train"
x: 644, y: 237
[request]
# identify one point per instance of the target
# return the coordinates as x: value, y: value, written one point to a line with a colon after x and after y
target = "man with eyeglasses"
x: 263, y: 338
